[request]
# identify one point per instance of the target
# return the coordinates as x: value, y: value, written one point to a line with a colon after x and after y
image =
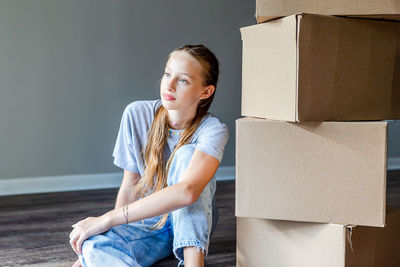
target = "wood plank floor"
x: 34, y: 228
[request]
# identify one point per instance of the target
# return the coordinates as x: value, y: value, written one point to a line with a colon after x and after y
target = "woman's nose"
x: 171, y: 85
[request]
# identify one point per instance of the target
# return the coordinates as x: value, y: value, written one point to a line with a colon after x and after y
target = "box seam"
x: 298, y: 19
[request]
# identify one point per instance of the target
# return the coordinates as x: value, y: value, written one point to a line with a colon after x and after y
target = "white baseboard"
x: 393, y: 163
x: 33, y: 185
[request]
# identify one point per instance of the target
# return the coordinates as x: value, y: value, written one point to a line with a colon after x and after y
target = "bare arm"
x: 125, y: 193
x: 201, y: 169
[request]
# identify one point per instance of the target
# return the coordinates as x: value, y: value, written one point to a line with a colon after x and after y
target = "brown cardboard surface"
x: 316, y: 172
x: 269, y: 9
x: 371, y: 246
x: 278, y: 73
x: 360, y: 246
x: 310, y: 67
x: 387, y: 246
x: 262, y: 242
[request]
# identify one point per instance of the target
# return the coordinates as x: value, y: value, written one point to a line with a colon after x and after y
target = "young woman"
x: 170, y: 149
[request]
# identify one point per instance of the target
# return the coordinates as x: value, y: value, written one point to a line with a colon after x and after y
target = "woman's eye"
x: 184, y: 81
x: 166, y: 74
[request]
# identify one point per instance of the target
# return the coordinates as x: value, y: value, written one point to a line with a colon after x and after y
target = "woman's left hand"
x: 85, y: 229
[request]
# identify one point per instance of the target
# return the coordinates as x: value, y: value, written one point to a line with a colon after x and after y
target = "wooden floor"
x: 34, y: 228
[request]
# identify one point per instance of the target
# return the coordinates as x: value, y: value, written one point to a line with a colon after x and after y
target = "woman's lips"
x: 168, y: 97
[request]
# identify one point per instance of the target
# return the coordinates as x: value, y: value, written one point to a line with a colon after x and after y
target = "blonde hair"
x: 155, y: 174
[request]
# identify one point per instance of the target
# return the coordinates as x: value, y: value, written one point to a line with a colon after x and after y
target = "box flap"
x: 269, y: 61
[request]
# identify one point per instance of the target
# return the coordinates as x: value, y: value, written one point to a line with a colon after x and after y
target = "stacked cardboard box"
x: 311, y: 153
x: 382, y: 9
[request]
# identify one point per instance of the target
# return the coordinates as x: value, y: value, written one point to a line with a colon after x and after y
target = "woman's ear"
x: 207, y: 91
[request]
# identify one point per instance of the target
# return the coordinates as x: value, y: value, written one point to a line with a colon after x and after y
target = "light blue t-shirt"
x: 210, y: 137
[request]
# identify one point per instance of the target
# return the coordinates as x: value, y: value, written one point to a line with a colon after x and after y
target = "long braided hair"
x: 156, y: 169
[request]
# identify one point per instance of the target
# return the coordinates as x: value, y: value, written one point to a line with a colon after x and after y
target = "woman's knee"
x: 91, y: 244
x: 101, y: 251
x: 101, y: 242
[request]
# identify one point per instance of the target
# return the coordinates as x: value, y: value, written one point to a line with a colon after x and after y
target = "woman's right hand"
x: 86, y: 228
x: 77, y: 264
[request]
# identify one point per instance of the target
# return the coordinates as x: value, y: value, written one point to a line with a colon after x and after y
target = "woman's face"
x: 182, y: 83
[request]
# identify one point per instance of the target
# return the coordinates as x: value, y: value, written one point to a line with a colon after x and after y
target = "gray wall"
x: 68, y: 68
x: 394, y: 139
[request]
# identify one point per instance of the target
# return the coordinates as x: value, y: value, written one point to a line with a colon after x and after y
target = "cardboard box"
x: 262, y: 242
x: 332, y: 172
x: 383, y: 9
x: 309, y: 67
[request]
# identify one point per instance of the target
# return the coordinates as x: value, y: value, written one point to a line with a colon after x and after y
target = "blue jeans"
x: 135, y: 244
